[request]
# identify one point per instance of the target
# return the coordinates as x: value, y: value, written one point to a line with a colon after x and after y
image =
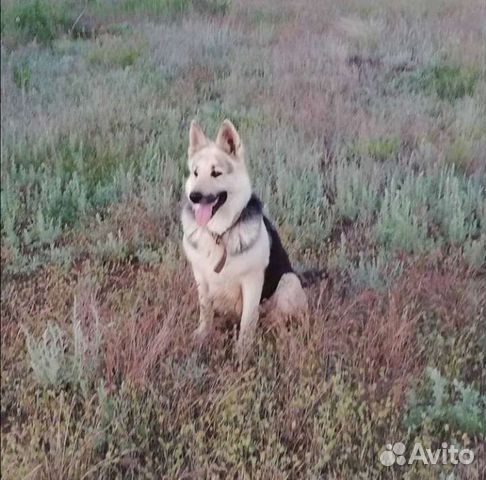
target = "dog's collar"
x: 218, y: 238
x: 220, y: 265
x: 253, y: 207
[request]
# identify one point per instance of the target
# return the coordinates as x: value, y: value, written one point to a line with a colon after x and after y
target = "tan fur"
x: 237, y: 288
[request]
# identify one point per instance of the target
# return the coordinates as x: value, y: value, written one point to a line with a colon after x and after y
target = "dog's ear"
x: 229, y: 140
x: 197, y: 139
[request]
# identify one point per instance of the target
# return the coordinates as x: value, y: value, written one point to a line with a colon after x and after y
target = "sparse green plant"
x: 39, y: 20
x: 212, y: 7
x: 22, y: 75
x: 449, y: 405
x: 458, y: 155
x: 47, y: 356
x: 116, y: 52
x: 371, y: 270
x: 459, y: 199
x: 58, y: 359
x: 383, y: 149
x: 446, y: 81
x: 356, y: 188
x: 377, y: 272
x: 62, y: 256
x: 148, y: 256
x: 42, y: 232
x: 402, y: 222
x: 157, y: 7
x: 114, y: 248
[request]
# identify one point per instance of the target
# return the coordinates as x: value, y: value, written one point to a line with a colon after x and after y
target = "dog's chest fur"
x: 247, y: 248
x: 252, y: 245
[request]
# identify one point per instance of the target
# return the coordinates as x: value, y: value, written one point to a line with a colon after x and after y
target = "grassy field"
x: 364, y: 123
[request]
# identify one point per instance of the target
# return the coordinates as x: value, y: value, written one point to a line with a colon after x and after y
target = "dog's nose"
x: 195, y: 197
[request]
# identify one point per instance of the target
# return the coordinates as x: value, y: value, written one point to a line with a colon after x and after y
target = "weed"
x: 383, y: 149
x: 459, y: 155
x: 157, y: 7
x: 447, y: 82
x: 445, y: 405
x: 400, y: 226
x: 212, y: 7
x: 58, y: 360
x: 356, y: 188
x: 116, y: 52
x: 38, y: 20
x: 114, y: 248
x: 22, y: 76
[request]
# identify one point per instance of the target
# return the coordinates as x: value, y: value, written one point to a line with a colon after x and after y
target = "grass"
x: 116, y: 52
x: 446, y: 81
x: 364, y: 140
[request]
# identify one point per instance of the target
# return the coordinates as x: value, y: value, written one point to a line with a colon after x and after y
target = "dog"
x: 236, y: 254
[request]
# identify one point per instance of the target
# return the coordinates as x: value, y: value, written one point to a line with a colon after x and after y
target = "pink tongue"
x: 204, y: 213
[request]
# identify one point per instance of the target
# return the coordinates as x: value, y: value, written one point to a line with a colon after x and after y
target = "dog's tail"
x: 312, y: 276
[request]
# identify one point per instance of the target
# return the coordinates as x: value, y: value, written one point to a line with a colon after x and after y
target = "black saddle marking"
x: 279, y: 262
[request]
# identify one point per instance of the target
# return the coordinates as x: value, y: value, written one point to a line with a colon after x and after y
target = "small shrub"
x: 458, y: 155
x: 22, y: 75
x: 445, y: 405
x: 38, y: 20
x: 375, y: 272
x: 457, y: 198
x: 356, y: 189
x: 157, y: 7
x: 174, y: 8
x: 383, y: 149
x: 121, y: 29
x: 421, y: 212
x: 47, y: 356
x: 402, y: 224
x: 58, y: 359
x: 447, y: 82
x: 114, y: 248
x: 42, y: 231
x: 212, y: 7
x: 148, y: 256
x: 116, y: 52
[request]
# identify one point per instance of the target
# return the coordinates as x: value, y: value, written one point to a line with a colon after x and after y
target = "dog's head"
x: 218, y: 186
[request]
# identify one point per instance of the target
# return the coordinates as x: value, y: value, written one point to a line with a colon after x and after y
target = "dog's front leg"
x: 206, y: 313
x: 251, y: 289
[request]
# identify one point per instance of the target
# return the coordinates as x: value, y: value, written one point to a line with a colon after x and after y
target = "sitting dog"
x: 235, y: 252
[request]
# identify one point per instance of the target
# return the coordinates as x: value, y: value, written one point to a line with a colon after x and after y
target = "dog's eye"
x: 215, y: 174
x: 195, y: 173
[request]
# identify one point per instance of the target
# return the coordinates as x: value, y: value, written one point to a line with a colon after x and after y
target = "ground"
x: 363, y: 123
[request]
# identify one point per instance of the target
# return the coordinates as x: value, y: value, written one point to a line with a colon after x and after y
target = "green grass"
x: 447, y: 405
x: 22, y: 76
x: 446, y: 81
x: 38, y: 20
x: 384, y: 149
x: 368, y: 154
x: 116, y: 53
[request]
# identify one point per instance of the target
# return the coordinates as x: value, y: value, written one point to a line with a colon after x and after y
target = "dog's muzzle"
x: 205, y: 206
x: 198, y: 197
